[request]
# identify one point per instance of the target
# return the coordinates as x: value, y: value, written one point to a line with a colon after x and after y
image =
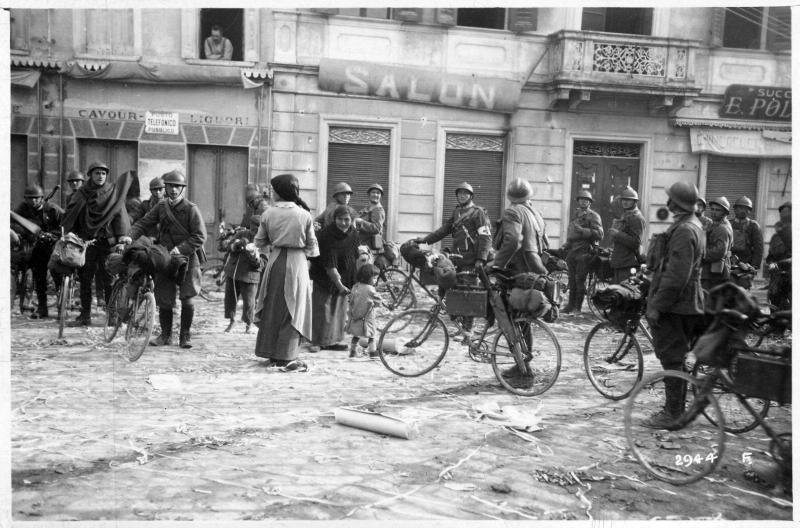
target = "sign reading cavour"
x: 418, y: 85
x: 765, y: 103
x: 161, y: 123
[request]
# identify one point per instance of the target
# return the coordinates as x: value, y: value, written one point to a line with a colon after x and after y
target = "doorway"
x: 604, y: 169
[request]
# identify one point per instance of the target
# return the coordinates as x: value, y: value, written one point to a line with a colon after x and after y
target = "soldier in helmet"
x: 255, y: 205
x: 182, y: 231
x: 521, y: 238
x: 75, y: 180
x: 48, y: 217
x: 97, y: 211
x: 342, y: 193
x: 584, y: 233
x: 700, y: 213
x: 370, y: 220
x: 470, y: 228
x: 748, y: 240
x: 156, y: 194
x: 675, y: 299
x: 626, y: 234
x: 779, y: 260
x: 719, y: 238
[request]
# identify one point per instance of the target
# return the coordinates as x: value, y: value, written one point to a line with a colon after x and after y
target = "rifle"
x: 27, y: 224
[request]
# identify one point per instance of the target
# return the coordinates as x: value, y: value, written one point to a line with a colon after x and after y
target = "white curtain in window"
x: 109, y: 31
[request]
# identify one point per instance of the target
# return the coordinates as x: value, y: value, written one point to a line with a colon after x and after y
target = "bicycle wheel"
x: 65, y: 299
x: 114, y: 311
x: 542, y: 359
x: 680, y: 456
x: 25, y: 291
x: 413, y: 343
x: 396, y: 289
x: 737, y: 418
x: 593, y: 284
x: 140, y: 326
x: 613, y: 361
x: 212, y: 280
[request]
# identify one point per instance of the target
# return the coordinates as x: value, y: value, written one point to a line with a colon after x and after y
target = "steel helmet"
x: 173, y: 177
x: 784, y: 205
x: 75, y: 175
x: 464, y: 186
x: 722, y: 202
x: 340, y: 188
x: 684, y: 195
x: 583, y: 193
x: 375, y: 186
x: 629, y: 193
x: 702, y: 201
x: 97, y: 165
x: 744, y: 201
x: 156, y: 183
x: 33, y: 190
x: 519, y: 190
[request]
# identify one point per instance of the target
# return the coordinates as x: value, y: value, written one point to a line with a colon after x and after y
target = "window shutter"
x: 408, y: 14
x: 593, y: 19
x: 446, y: 16
x: 732, y: 178
x: 523, y: 19
x: 717, y: 26
x: 779, y: 28
x: 359, y: 165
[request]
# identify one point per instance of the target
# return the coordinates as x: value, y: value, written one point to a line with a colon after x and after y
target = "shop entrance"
x: 120, y: 156
x: 217, y: 180
x: 604, y: 169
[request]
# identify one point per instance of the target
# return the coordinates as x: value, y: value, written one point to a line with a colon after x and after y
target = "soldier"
x: 521, y: 239
x: 779, y: 260
x: 748, y: 240
x: 370, y: 220
x: 182, y: 231
x: 719, y: 238
x: 700, y: 213
x: 97, y: 211
x: 584, y: 233
x: 156, y: 194
x: 341, y: 196
x: 469, y: 226
x: 75, y: 180
x: 626, y: 234
x: 675, y: 299
x: 48, y: 217
x: 255, y: 205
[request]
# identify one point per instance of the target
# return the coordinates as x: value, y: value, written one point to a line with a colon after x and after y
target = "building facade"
x: 417, y: 100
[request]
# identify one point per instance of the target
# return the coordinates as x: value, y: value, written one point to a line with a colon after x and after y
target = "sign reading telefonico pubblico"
x: 765, y: 103
x: 161, y: 123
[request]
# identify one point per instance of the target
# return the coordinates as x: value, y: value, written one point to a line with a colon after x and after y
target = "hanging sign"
x: 738, y: 143
x: 765, y: 103
x: 161, y: 123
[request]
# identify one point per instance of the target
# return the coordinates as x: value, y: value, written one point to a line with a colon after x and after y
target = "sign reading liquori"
x: 161, y: 122
x: 418, y: 85
x: 765, y: 103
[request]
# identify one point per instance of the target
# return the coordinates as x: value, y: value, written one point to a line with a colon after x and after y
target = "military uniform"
x: 780, y: 276
x: 584, y: 232
x: 627, y: 241
x: 748, y: 241
x: 48, y: 218
x: 716, y: 263
x: 472, y: 234
x: 521, y: 239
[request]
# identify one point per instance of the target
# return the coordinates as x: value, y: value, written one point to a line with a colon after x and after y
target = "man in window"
x: 217, y: 47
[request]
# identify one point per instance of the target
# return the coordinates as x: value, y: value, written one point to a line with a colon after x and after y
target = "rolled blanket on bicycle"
x: 415, y: 256
x: 529, y: 301
x: 156, y: 259
x: 743, y: 274
x: 69, y: 252
x: 444, y: 272
x: 391, y: 251
x: 712, y: 348
x: 623, y: 297
x: 115, y: 264
x: 553, y: 263
x: 600, y: 264
x: 547, y: 285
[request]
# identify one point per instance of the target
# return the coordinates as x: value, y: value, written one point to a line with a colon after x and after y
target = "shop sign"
x: 738, y: 143
x: 418, y: 85
x: 161, y: 123
x: 764, y: 103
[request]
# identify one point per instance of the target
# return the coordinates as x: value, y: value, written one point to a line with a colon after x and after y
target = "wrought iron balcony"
x: 582, y: 62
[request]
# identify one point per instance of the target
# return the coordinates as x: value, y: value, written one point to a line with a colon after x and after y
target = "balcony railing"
x: 594, y: 61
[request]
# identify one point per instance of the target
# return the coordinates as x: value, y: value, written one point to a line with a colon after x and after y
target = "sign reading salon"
x: 418, y: 85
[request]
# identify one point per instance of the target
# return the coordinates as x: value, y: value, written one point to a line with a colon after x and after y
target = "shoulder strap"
x: 175, y: 221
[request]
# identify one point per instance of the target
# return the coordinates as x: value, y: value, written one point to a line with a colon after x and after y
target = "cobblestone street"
x: 212, y: 434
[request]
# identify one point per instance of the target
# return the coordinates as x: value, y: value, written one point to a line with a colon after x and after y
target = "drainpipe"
x: 61, y: 161
x: 39, y: 131
x: 269, y: 136
x: 259, y: 105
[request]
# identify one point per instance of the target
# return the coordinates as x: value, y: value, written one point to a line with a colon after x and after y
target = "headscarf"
x: 287, y: 187
x: 99, y: 204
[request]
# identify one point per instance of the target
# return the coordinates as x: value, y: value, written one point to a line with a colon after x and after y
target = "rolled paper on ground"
x: 375, y: 422
x: 395, y: 346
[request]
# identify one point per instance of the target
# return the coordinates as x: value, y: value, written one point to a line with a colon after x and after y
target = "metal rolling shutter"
x: 359, y: 157
x: 477, y: 160
x: 732, y: 178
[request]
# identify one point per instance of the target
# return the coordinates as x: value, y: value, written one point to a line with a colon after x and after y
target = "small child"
x: 360, y: 311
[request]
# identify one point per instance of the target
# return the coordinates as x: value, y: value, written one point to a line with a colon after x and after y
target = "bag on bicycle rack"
x: 414, y: 255
x: 467, y: 301
x: 69, y: 251
x: 114, y: 264
x: 391, y: 251
x: 528, y: 300
x: 444, y: 272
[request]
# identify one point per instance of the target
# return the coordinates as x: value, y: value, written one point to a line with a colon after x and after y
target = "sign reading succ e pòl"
x: 764, y: 103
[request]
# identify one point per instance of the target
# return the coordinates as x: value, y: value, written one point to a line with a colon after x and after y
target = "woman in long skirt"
x: 334, y: 275
x: 283, y: 305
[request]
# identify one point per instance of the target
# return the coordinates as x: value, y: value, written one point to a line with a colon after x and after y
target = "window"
x: 109, y: 32
x: 758, y: 28
x: 367, y: 12
x: 19, y: 29
x: 488, y: 17
x: 231, y: 26
x: 631, y: 21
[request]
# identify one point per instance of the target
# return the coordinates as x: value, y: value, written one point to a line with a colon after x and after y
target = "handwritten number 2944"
x: 688, y: 460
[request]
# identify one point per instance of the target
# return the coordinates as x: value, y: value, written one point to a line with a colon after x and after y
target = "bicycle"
x: 415, y: 341
x: 66, y: 294
x: 132, y: 302
x: 600, y: 276
x: 397, y: 289
x: 730, y: 367
x: 212, y: 280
